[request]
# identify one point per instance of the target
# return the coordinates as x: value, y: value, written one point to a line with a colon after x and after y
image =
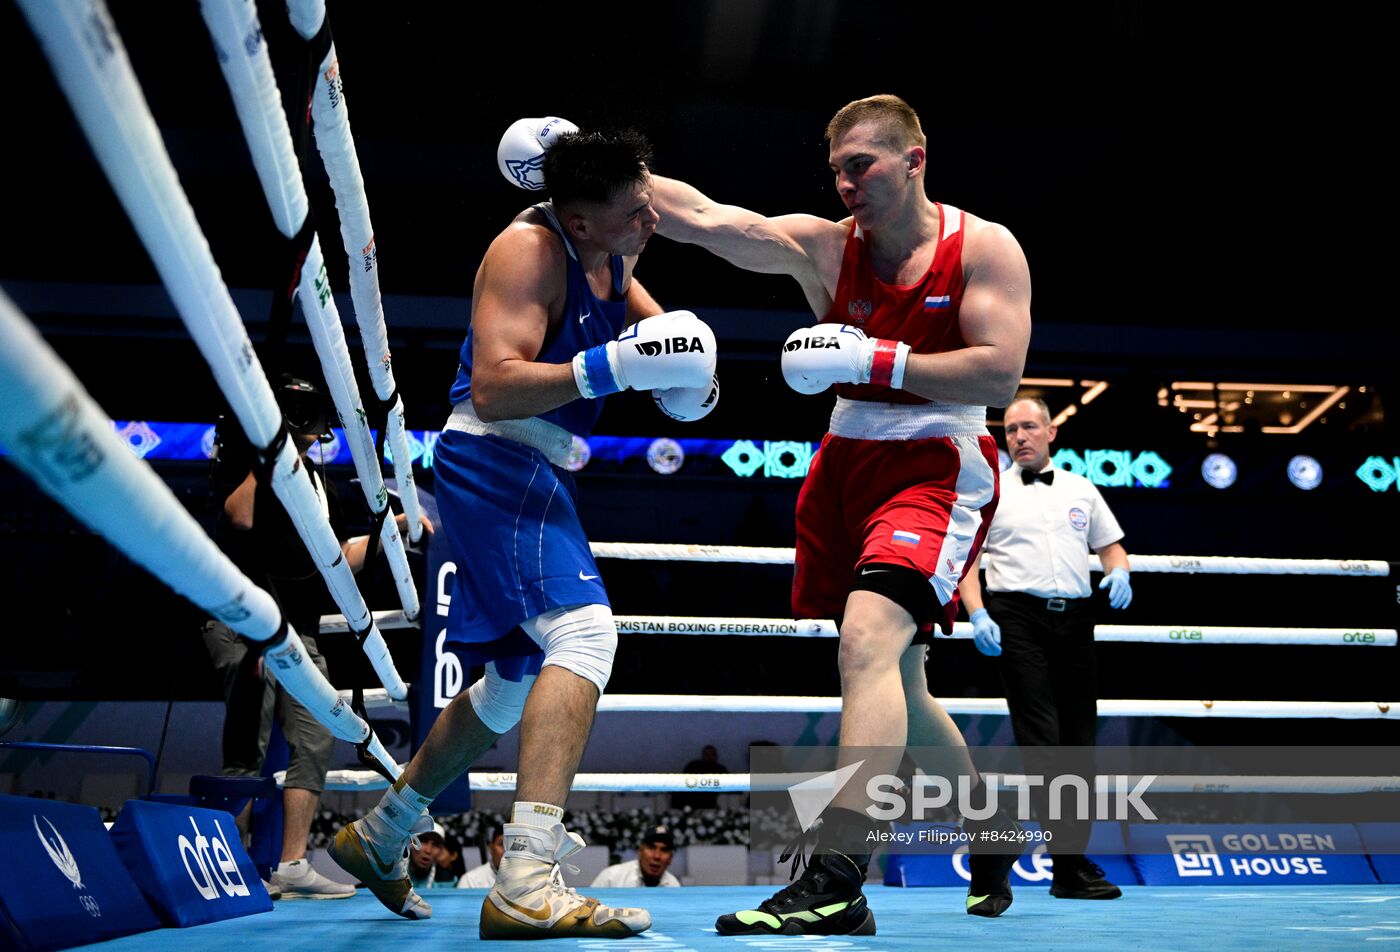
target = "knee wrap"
x: 581, y: 639
x: 498, y: 702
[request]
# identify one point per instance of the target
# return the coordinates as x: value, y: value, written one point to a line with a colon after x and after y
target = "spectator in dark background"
x: 451, y: 867
x: 254, y: 530
x: 484, y: 876
x: 423, y: 861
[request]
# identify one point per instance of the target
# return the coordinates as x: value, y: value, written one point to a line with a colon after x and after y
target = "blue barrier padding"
x: 61, y: 883
x: 188, y: 862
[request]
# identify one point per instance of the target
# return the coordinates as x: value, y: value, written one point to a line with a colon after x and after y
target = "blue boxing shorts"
x: 515, y: 538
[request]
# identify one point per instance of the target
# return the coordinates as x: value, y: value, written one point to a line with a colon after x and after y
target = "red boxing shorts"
x: 921, y: 503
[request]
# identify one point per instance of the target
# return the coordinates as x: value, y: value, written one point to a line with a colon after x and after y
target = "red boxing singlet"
x: 923, y: 315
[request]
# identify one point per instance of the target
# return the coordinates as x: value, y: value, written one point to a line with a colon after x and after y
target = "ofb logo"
x: 1194, y: 854
x: 62, y: 857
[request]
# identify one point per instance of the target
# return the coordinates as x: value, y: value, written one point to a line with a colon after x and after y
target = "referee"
x: 1038, y: 619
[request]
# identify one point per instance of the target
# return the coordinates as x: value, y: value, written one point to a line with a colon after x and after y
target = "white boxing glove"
x: 520, y: 156
x: 688, y: 404
x: 816, y: 357
x: 675, y: 349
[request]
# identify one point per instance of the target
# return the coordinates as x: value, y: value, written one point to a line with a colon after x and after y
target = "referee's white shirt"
x: 1040, y: 537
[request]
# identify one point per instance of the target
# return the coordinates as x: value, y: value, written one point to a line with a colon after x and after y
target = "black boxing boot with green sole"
x: 825, y: 900
x: 992, y: 851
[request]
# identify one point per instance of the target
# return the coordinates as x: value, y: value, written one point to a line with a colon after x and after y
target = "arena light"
x: 665, y: 456
x: 1090, y: 390
x: 786, y: 459
x: 1228, y: 397
x: 1304, y: 472
x: 579, y: 455
x: 743, y: 458
x: 1219, y: 471
x: 1116, y: 468
x: 781, y: 459
x: 1379, y: 473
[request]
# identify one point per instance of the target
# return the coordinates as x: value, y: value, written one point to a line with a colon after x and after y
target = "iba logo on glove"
x: 810, y: 343
x: 671, y: 345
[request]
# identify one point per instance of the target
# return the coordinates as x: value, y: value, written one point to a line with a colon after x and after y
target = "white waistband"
x: 552, y: 440
x: 867, y: 420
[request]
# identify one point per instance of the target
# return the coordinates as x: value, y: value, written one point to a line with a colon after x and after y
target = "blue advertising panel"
x: 442, y: 674
x: 189, y: 862
x: 61, y: 883
x: 1257, y: 855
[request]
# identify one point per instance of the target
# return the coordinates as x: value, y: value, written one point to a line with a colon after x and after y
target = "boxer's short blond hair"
x: 898, y: 120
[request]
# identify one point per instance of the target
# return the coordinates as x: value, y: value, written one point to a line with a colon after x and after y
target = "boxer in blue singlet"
x: 525, y: 552
x: 558, y: 322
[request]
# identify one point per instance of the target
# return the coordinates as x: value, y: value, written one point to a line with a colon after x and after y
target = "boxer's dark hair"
x: 592, y: 166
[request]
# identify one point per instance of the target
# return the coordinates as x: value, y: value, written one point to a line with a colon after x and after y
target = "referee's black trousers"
x: 1047, y: 668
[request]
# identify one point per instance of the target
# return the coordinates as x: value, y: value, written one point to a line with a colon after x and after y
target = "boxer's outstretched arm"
x: 995, y: 319
x: 803, y: 247
x: 519, y: 279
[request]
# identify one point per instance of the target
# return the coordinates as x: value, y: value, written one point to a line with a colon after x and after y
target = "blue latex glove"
x: 1120, y: 590
x: 986, y: 634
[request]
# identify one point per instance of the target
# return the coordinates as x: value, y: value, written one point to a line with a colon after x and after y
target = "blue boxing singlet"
x: 587, y: 322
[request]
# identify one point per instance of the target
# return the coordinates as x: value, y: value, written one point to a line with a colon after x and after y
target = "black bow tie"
x: 1047, y: 477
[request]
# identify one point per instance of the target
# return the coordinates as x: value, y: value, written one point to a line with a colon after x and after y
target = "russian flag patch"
x: 906, y: 538
x: 938, y: 302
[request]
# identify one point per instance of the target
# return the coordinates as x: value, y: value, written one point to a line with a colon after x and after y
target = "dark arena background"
x: 1201, y: 199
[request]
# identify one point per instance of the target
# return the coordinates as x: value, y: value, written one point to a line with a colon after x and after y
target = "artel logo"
x: 1359, y: 638
x: 214, y: 865
x: 1186, y: 634
x: 671, y: 345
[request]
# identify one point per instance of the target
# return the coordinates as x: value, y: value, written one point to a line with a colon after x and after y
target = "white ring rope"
x: 796, y: 704
x: 825, y: 628
x: 91, y: 65
x: 1159, y: 634
x: 366, y: 780
x: 247, y: 70
x: 60, y: 437
x: 1170, y: 564
x: 331, y: 125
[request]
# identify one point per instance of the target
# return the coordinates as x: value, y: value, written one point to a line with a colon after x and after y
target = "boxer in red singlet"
x: 924, y: 316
